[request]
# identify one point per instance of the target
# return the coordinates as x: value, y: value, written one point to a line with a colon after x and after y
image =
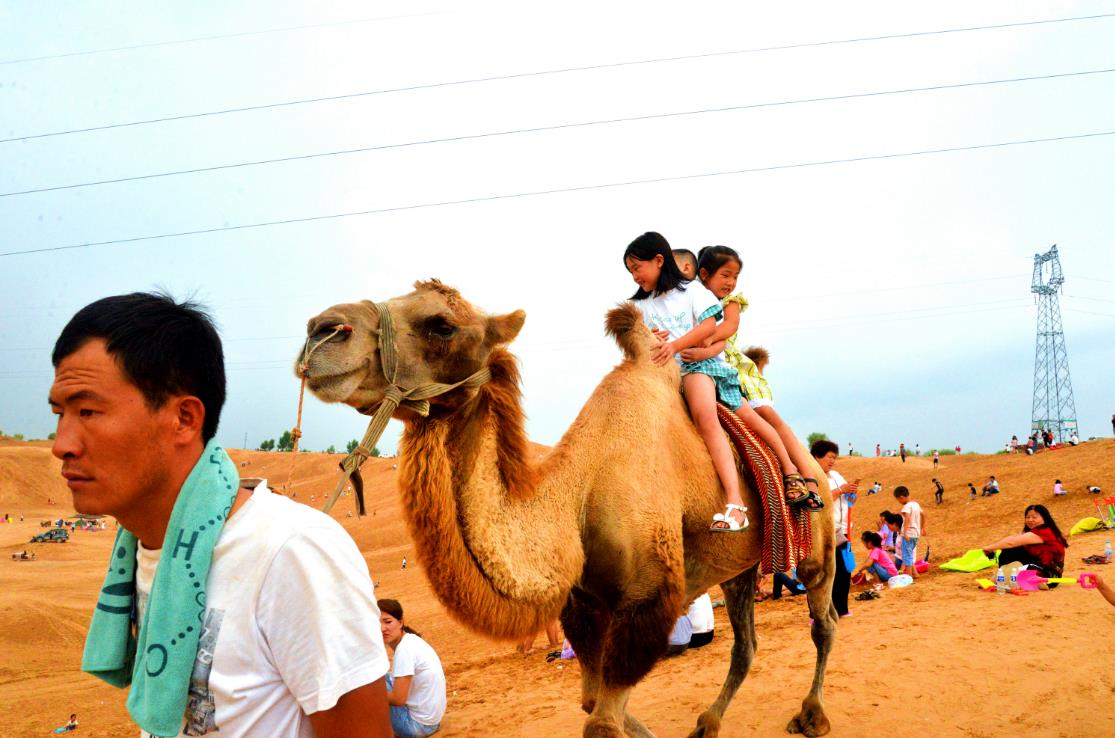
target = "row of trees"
x: 19, y: 436
x: 286, y: 443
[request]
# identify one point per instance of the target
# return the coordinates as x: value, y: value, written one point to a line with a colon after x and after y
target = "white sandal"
x: 726, y: 517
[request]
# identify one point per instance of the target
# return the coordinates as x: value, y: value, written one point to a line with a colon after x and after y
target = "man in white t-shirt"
x: 913, y: 528
x: 289, y: 644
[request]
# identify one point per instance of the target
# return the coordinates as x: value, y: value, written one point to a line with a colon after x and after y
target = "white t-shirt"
x: 291, y: 622
x: 416, y: 658
x: 677, y: 312
x: 840, y: 508
x: 700, y: 614
x: 912, y: 512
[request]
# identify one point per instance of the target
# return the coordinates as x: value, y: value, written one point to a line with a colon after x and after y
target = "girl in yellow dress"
x: 718, y: 268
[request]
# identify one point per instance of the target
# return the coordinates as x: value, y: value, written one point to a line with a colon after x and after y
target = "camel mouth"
x: 335, y: 384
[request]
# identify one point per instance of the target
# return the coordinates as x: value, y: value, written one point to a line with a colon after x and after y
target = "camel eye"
x: 439, y: 327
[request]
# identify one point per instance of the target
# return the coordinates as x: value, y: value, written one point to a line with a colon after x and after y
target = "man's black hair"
x: 901, y: 491
x: 820, y: 448
x: 164, y: 348
x: 645, y: 248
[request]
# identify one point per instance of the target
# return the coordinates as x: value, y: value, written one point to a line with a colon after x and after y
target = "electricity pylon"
x: 1054, y: 408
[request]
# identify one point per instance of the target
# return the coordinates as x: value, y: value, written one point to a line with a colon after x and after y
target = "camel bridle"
x: 416, y: 399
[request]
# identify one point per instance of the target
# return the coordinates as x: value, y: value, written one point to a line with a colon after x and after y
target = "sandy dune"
x: 938, y: 659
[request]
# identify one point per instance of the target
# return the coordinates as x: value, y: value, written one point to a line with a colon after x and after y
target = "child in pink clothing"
x: 878, y: 561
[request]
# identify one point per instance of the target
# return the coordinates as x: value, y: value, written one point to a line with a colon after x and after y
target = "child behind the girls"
x: 684, y: 314
x: 718, y: 268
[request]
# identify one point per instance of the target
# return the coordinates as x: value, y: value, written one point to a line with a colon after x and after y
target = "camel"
x: 609, y: 531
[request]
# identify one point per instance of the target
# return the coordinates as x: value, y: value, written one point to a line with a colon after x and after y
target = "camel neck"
x: 495, y: 544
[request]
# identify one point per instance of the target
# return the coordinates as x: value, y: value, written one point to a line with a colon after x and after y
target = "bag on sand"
x: 900, y: 580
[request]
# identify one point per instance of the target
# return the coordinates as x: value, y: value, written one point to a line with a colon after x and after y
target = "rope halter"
x: 415, y: 399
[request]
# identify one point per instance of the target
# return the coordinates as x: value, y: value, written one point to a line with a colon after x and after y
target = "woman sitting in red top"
x: 1040, y: 544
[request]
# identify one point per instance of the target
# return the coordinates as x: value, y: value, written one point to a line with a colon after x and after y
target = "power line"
x: 559, y: 190
x: 1091, y: 299
x: 217, y: 37
x: 1089, y: 312
x: 547, y: 72
x: 560, y: 126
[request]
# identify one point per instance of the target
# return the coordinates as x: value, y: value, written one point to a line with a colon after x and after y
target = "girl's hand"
x: 660, y: 334
x: 694, y: 354
x: 662, y: 353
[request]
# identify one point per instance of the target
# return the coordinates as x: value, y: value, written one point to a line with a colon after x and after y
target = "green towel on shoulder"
x: 157, y: 662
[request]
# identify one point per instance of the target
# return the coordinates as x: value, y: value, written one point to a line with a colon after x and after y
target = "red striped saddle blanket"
x: 787, y: 532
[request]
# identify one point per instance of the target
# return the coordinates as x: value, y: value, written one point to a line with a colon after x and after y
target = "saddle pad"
x: 787, y: 533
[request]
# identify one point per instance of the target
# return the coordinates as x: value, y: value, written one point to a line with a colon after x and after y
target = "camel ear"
x: 504, y: 328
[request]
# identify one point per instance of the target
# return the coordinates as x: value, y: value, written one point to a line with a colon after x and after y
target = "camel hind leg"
x: 817, y: 577
x: 739, y: 596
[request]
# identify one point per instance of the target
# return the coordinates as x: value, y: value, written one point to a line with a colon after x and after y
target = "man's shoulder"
x: 281, y: 519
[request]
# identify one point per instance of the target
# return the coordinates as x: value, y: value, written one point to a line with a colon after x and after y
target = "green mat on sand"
x: 1086, y: 524
x: 974, y: 560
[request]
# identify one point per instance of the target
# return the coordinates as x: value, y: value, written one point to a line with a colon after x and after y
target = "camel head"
x: 439, y: 337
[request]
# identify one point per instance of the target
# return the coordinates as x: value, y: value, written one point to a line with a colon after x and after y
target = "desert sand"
x: 941, y: 658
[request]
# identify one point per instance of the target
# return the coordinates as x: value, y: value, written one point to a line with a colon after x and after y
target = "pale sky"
x: 893, y: 293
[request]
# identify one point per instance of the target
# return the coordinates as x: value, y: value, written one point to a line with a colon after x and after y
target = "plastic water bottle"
x: 1014, y: 578
x: 1107, y: 551
x: 1000, y: 582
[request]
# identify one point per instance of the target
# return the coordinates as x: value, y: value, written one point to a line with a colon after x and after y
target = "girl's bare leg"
x: 769, y: 435
x: 700, y: 395
x: 798, y: 454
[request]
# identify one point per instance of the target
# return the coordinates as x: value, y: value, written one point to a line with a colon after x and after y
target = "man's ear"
x: 189, y: 417
x: 503, y: 328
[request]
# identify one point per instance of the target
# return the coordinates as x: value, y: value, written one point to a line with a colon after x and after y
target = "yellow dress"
x: 753, y: 384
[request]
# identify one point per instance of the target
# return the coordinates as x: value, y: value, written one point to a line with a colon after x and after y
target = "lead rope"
x: 303, y: 365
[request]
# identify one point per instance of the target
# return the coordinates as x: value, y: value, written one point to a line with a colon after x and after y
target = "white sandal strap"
x: 732, y: 505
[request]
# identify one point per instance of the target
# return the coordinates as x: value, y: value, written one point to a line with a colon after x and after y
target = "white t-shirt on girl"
x: 291, y: 622
x: 417, y: 659
x: 677, y: 312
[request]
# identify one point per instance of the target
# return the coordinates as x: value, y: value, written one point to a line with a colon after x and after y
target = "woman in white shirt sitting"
x: 416, y: 682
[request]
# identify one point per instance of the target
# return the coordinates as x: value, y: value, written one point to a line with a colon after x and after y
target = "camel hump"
x: 625, y: 324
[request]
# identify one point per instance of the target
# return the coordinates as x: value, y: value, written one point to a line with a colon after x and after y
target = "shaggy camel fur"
x: 631, y: 479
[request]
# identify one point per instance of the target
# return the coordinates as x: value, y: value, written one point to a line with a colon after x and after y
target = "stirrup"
x: 726, y: 517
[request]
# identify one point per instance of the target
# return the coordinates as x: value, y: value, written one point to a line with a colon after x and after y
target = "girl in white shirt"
x: 682, y: 314
x: 416, y: 682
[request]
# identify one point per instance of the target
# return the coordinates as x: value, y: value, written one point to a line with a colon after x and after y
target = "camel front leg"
x: 819, y: 572
x: 610, y: 718
x: 585, y: 621
x: 739, y: 596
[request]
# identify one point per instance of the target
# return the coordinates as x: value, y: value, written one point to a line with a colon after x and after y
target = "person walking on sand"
x: 878, y: 450
x: 936, y: 458
x: 940, y: 493
x: 902, y: 451
x: 138, y: 388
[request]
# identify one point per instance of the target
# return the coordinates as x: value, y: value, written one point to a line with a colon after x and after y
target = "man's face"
x: 114, y: 449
